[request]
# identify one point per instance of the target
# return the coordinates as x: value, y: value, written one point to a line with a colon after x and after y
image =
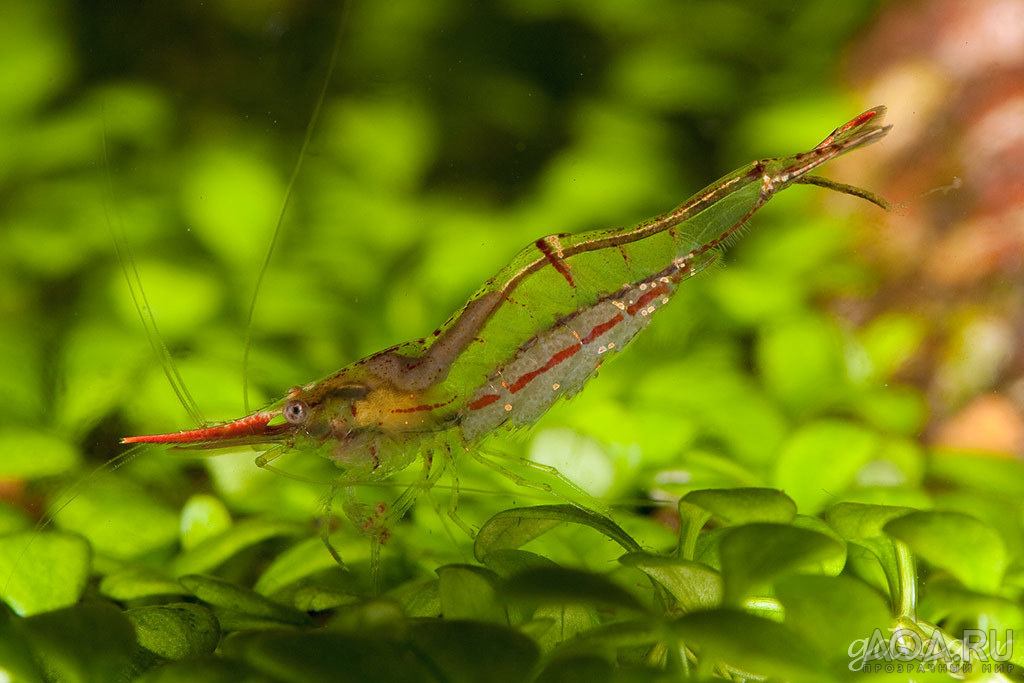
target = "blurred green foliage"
x: 451, y: 135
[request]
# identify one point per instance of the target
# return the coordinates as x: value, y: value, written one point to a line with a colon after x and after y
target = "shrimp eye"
x: 295, y: 412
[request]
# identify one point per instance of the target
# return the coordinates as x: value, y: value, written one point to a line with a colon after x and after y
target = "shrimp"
x: 534, y: 333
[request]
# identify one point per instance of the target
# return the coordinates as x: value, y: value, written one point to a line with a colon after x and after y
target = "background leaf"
x: 42, y: 571
x: 812, y: 605
x: 15, y: 654
x: 326, y: 656
x: 513, y: 528
x: 754, y: 555
x: 175, y: 631
x: 971, y: 550
x: 471, y: 651
x: 750, y: 643
x: 863, y: 525
x: 93, y: 641
x: 470, y: 593
x: 742, y: 505
x: 820, y: 461
x: 221, y: 593
x: 695, y: 586
x: 568, y: 586
x: 212, y: 551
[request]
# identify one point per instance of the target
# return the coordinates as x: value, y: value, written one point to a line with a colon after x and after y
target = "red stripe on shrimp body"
x: 483, y: 401
x: 562, y: 355
x: 558, y: 361
x: 551, y: 247
x: 646, y: 298
x: 602, y: 328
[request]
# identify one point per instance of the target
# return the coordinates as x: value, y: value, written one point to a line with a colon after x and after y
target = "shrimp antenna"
x: 851, y: 190
x: 138, y: 294
x: 336, y: 48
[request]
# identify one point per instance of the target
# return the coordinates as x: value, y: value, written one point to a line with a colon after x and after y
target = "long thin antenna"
x: 287, y: 198
x: 138, y: 294
x: 852, y: 190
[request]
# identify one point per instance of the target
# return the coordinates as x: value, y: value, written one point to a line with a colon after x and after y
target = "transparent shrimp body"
x: 532, y: 334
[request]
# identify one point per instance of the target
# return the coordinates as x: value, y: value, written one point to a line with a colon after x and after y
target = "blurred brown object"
x: 988, y: 423
x: 952, y: 74
x: 11, y: 490
x: 15, y: 493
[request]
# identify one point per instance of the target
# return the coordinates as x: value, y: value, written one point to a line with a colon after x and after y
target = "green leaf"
x: 578, y: 669
x: 755, y: 296
x: 568, y: 586
x: 713, y: 467
x: 743, y: 505
x: 89, y: 642
x: 873, y: 555
x: 889, y: 340
x: 515, y: 527
x: 801, y: 361
x: 214, y: 551
x: 864, y: 562
x: 12, y: 519
x: 752, y: 644
x: 580, y: 458
x: 915, y: 498
x: 329, y: 657
x: 202, y: 517
x: 750, y: 430
x: 99, y: 370
x: 419, y: 598
x: 694, y: 586
x: 137, y: 582
x: 30, y: 454
x: 305, y: 558
x: 230, y: 200
x: 378, y: 617
x: 1002, y: 514
x: 320, y: 598
x: 983, y: 471
x: 177, y: 630
x: 708, y: 547
x: 692, y: 519
x: 468, y: 651
x: 186, y: 296
x: 860, y: 521
x: 821, y: 460
x: 831, y: 613
x: 204, y: 670
x: 469, y: 592
x: 947, y: 600
x: 119, y: 518
x: 767, y: 608
x: 387, y: 140
x: 16, y: 661
x: 970, y: 549
x: 564, y: 623
x: 900, y: 463
x: 221, y: 593
x: 42, y: 571
x: 754, y: 555
x: 604, y: 639
x: 833, y: 566
x: 508, y: 561
x: 893, y: 409
x: 233, y: 621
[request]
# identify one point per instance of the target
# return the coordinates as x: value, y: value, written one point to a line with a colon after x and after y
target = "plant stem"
x: 906, y: 591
